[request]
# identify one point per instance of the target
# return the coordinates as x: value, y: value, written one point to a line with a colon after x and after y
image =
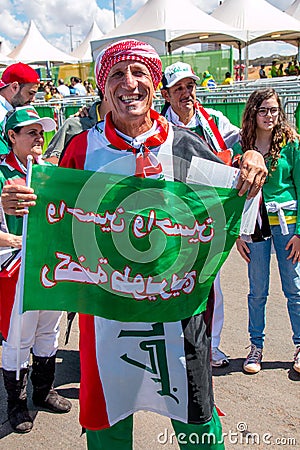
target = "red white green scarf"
x: 211, y: 130
x: 146, y: 166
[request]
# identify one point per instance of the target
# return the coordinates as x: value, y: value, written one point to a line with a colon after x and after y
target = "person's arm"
x: 63, y: 135
x: 7, y: 239
x: 253, y: 173
x: 295, y: 172
x: 188, y: 144
x: 294, y: 246
x: 243, y: 249
x: 84, y: 119
x: 294, y: 243
x: 74, y: 154
x: 10, y: 240
x: 252, y: 164
x: 17, y: 198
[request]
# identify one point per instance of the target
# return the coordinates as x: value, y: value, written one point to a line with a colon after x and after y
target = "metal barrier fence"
x: 230, y: 100
x: 60, y: 110
x: 64, y: 108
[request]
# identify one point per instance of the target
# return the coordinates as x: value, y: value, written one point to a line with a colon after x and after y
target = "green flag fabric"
x: 125, y: 248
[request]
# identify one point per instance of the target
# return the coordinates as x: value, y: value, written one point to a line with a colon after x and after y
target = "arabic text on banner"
x: 125, y: 248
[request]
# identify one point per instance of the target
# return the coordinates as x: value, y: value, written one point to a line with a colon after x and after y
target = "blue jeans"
x: 259, y: 277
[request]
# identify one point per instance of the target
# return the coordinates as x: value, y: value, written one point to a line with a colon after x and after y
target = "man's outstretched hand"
x: 253, y: 173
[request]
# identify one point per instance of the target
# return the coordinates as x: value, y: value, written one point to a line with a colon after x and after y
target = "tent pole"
x: 48, y: 70
x: 246, y: 61
x: 240, y: 58
x: 247, y: 56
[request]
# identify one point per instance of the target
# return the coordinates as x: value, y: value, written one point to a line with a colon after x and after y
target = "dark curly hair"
x: 282, y: 130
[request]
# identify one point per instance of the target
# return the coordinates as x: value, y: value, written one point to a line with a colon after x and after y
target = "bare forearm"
x: 10, y: 240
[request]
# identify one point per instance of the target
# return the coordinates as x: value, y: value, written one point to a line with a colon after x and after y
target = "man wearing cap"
x: 39, y: 329
x: 134, y: 140
x: 182, y: 109
x: 18, y: 86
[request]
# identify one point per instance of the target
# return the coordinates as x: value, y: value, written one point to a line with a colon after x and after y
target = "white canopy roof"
x: 4, y: 48
x: 34, y: 48
x: 168, y: 25
x: 294, y: 9
x: 83, y: 51
x: 259, y: 19
x: 5, y: 60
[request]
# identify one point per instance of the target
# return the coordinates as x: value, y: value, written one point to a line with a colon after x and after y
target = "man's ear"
x: 165, y: 94
x: 15, y: 87
x: 11, y: 135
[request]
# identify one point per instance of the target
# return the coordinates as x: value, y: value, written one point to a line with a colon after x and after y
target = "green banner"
x: 125, y: 248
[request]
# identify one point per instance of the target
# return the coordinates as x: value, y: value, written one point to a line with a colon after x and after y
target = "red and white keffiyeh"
x: 129, y: 49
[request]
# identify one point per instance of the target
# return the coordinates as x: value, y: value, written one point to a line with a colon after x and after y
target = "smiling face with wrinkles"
x: 129, y: 91
x: 182, y: 97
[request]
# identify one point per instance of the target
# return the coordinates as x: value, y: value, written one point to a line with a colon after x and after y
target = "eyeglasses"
x: 262, y: 112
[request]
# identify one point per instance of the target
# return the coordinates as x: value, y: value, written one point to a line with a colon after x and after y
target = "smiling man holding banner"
x: 142, y: 248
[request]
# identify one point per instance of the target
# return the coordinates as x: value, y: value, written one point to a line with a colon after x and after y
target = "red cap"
x: 20, y: 72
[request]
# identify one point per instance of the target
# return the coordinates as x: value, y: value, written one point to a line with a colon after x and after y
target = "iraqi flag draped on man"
x: 135, y: 248
x: 142, y: 251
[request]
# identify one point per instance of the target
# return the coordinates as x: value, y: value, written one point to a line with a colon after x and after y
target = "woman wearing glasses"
x: 266, y: 129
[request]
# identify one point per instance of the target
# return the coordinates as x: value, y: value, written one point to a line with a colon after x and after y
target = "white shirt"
x: 79, y: 89
x: 63, y: 90
x: 5, y: 106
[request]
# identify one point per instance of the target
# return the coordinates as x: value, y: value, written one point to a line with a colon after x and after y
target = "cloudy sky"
x: 52, y: 18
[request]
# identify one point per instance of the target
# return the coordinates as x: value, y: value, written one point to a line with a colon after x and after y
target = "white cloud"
x: 52, y: 17
x: 10, y: 26
x: 271, y: 48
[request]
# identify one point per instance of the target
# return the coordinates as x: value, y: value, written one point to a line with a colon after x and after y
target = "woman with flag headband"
x: 39, y: 329
x: 134, y: 140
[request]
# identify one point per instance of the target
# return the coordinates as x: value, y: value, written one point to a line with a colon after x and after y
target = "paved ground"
x: 266, y: 404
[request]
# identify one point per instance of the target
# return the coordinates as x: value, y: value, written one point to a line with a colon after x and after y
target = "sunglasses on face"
x: 262, y: 112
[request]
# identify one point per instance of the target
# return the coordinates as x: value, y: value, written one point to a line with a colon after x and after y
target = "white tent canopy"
x: 260, y: 20
x: 168, y: 25
x: 5, y: 60
x: 83, y: 51
x: 34, y: 48
x: 4, y: 48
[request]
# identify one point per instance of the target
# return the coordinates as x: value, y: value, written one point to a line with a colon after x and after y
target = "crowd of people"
x: 130, y: 134
x: 292, y: 68
x: 75, y: 87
